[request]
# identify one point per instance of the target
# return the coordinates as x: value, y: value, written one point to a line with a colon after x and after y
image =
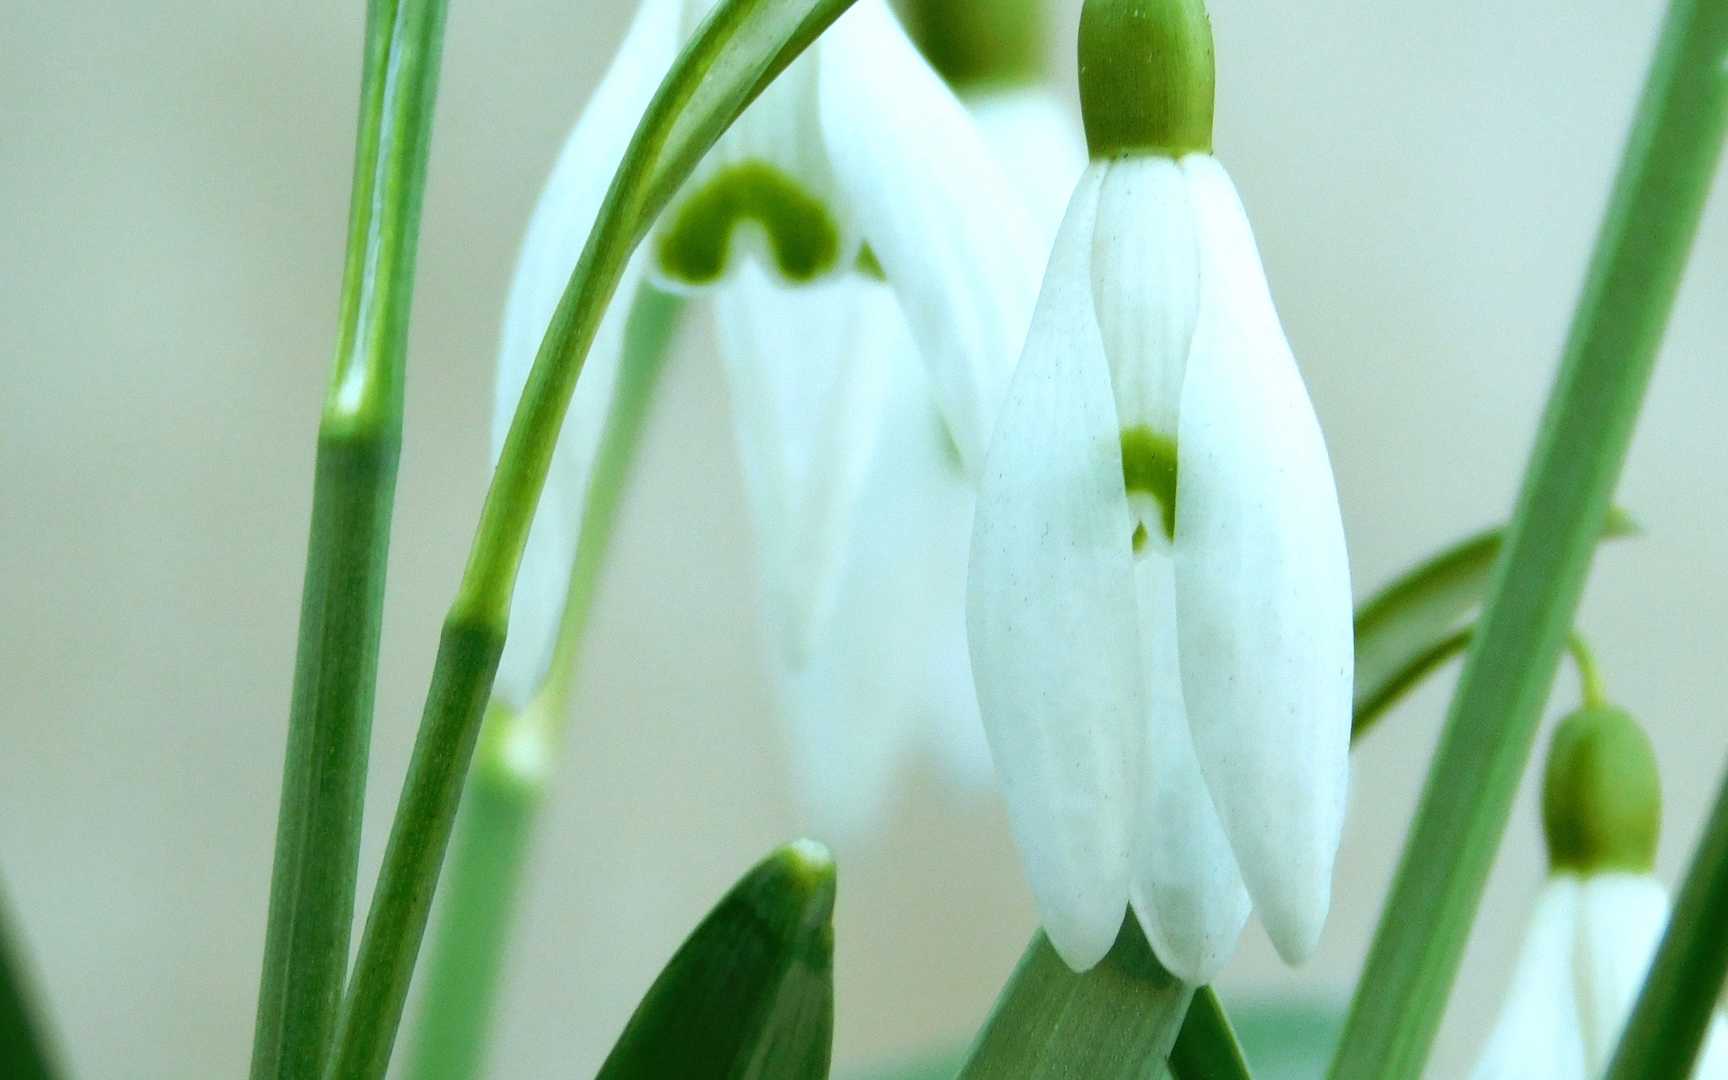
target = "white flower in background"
x: 1159, y: 599
x: 1600, y: 915
x: 870, y: 268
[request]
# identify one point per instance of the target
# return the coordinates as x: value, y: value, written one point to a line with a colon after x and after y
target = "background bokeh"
x: 1425, y: 179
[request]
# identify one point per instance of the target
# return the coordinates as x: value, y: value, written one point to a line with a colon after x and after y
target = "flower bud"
x: 1601, y: 795
x: 980, y: 43
x: 1146, y: 77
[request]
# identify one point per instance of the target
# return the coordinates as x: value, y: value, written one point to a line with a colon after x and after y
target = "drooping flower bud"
x: 1147, y: 77
x: 1601, y: 795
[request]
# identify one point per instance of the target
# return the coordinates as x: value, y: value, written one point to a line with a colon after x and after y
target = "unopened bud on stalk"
x: 1147, y: 77
x: 1601, y: 795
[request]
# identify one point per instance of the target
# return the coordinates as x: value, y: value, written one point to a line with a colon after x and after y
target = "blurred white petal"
x: 556, y: 232
x: 890, y: 675
x: 1537, y: 1036
x: 951, y: 235
x: 1262, y: 585
x: 807, y: 404
x: 1036, y: 138
x: 1713, y: 1058
x: 1620, y: 922
x: 1146, y: 284
x: 1186, y: 889
x: 1050, y: 612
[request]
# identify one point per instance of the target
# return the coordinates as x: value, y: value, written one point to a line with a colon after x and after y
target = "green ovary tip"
x: 1149, y: 468
x: 1601, y: 795
x: 697, y: 243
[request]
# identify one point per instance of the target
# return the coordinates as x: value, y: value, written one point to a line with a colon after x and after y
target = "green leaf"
x: 1539, y: 576
x: 1411, y: 627
x: 341, y: 608
x: 1206, y: 1048
x: 751, y: 991
x: 24, y: 1051
x: 734, y: 55
x: 1118, y: 1020
x: 1680, y: 995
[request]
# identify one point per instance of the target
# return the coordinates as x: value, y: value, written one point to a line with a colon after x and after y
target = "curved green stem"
x: 518, y: 747
x: 341, y: 609
x: 1491, y: 726
x: 735, y: 54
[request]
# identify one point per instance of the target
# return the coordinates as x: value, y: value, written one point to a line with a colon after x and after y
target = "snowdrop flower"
x: 1600, y: 915
x: 889, y: 677
x: 852, y: 218
x: 1159, y: 604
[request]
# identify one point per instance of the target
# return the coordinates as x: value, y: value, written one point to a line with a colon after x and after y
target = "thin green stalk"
x: 1674, y: 1010
x: 1491, y: 726
x: 741, y: 47
x: 503, y: 797
x: 24, y: 1052
x: 359, y: 436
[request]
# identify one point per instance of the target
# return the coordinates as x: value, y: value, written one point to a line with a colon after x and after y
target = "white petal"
x: 1262, y: 586
x: 1186, y: 889
x: 556, y: 232
x: 807, y: 403
x: 1146, y: 281
x: 890, y: 673
x: 1036, y: 138
x: 1537, y: 1035
x: 1620, y: 922
x: 938, y: 212
x: 1050, y: 612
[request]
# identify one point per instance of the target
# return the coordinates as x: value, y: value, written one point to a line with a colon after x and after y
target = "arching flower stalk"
x: 1159, y: 596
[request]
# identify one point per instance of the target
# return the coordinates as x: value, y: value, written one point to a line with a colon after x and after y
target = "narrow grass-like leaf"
x: 504, y: 792
x: 1206, y: 1047
x: 1411, y: 626
x: 1674, y: 1010
x: 750, y: 994
x: 1539, y: 577
x: 1115, y: 1022
x: 24, y: 1053
x: 341, y: 609
x: 734, y: 55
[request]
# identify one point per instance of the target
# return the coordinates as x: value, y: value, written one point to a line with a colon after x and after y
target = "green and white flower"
x: 1159, y: 605
x: 869, y: 266
x: 1600, y: 915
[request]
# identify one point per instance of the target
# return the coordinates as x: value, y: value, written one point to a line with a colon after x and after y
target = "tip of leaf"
x: 1621, y: 523
x: 802, y: 879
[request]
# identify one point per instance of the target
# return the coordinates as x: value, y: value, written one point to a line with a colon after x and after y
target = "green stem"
x: 1591, y: 686
x: 330, y: 718
x: 461, y: 681
x: 1674, y: 1010
x: 505, y: 791
x: 1491, y: 726
x: 736, y: 52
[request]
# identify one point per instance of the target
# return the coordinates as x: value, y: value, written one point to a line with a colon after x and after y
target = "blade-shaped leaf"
x: 1117, y: 1020
x: 23, y: 1046
x: 1403, y: 630
x: 1206, y: 1048
x: 751, y: 992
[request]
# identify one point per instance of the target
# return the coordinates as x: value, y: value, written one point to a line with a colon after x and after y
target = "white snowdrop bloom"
x: 1159, y: 596
x: 852, y: 209
x: 1599, y: 917
x: 888, y: 680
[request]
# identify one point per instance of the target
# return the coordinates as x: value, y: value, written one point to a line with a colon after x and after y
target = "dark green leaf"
x: 23, y: 1045
x: 750, y: 994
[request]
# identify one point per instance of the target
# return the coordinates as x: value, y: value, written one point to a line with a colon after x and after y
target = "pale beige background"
x: 173, y: 181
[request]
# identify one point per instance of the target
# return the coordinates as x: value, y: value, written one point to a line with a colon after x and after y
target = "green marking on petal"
x: 869, y: 265
x: 1601, y: 794
x: 1149, y: 468
x: 697, y: 244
